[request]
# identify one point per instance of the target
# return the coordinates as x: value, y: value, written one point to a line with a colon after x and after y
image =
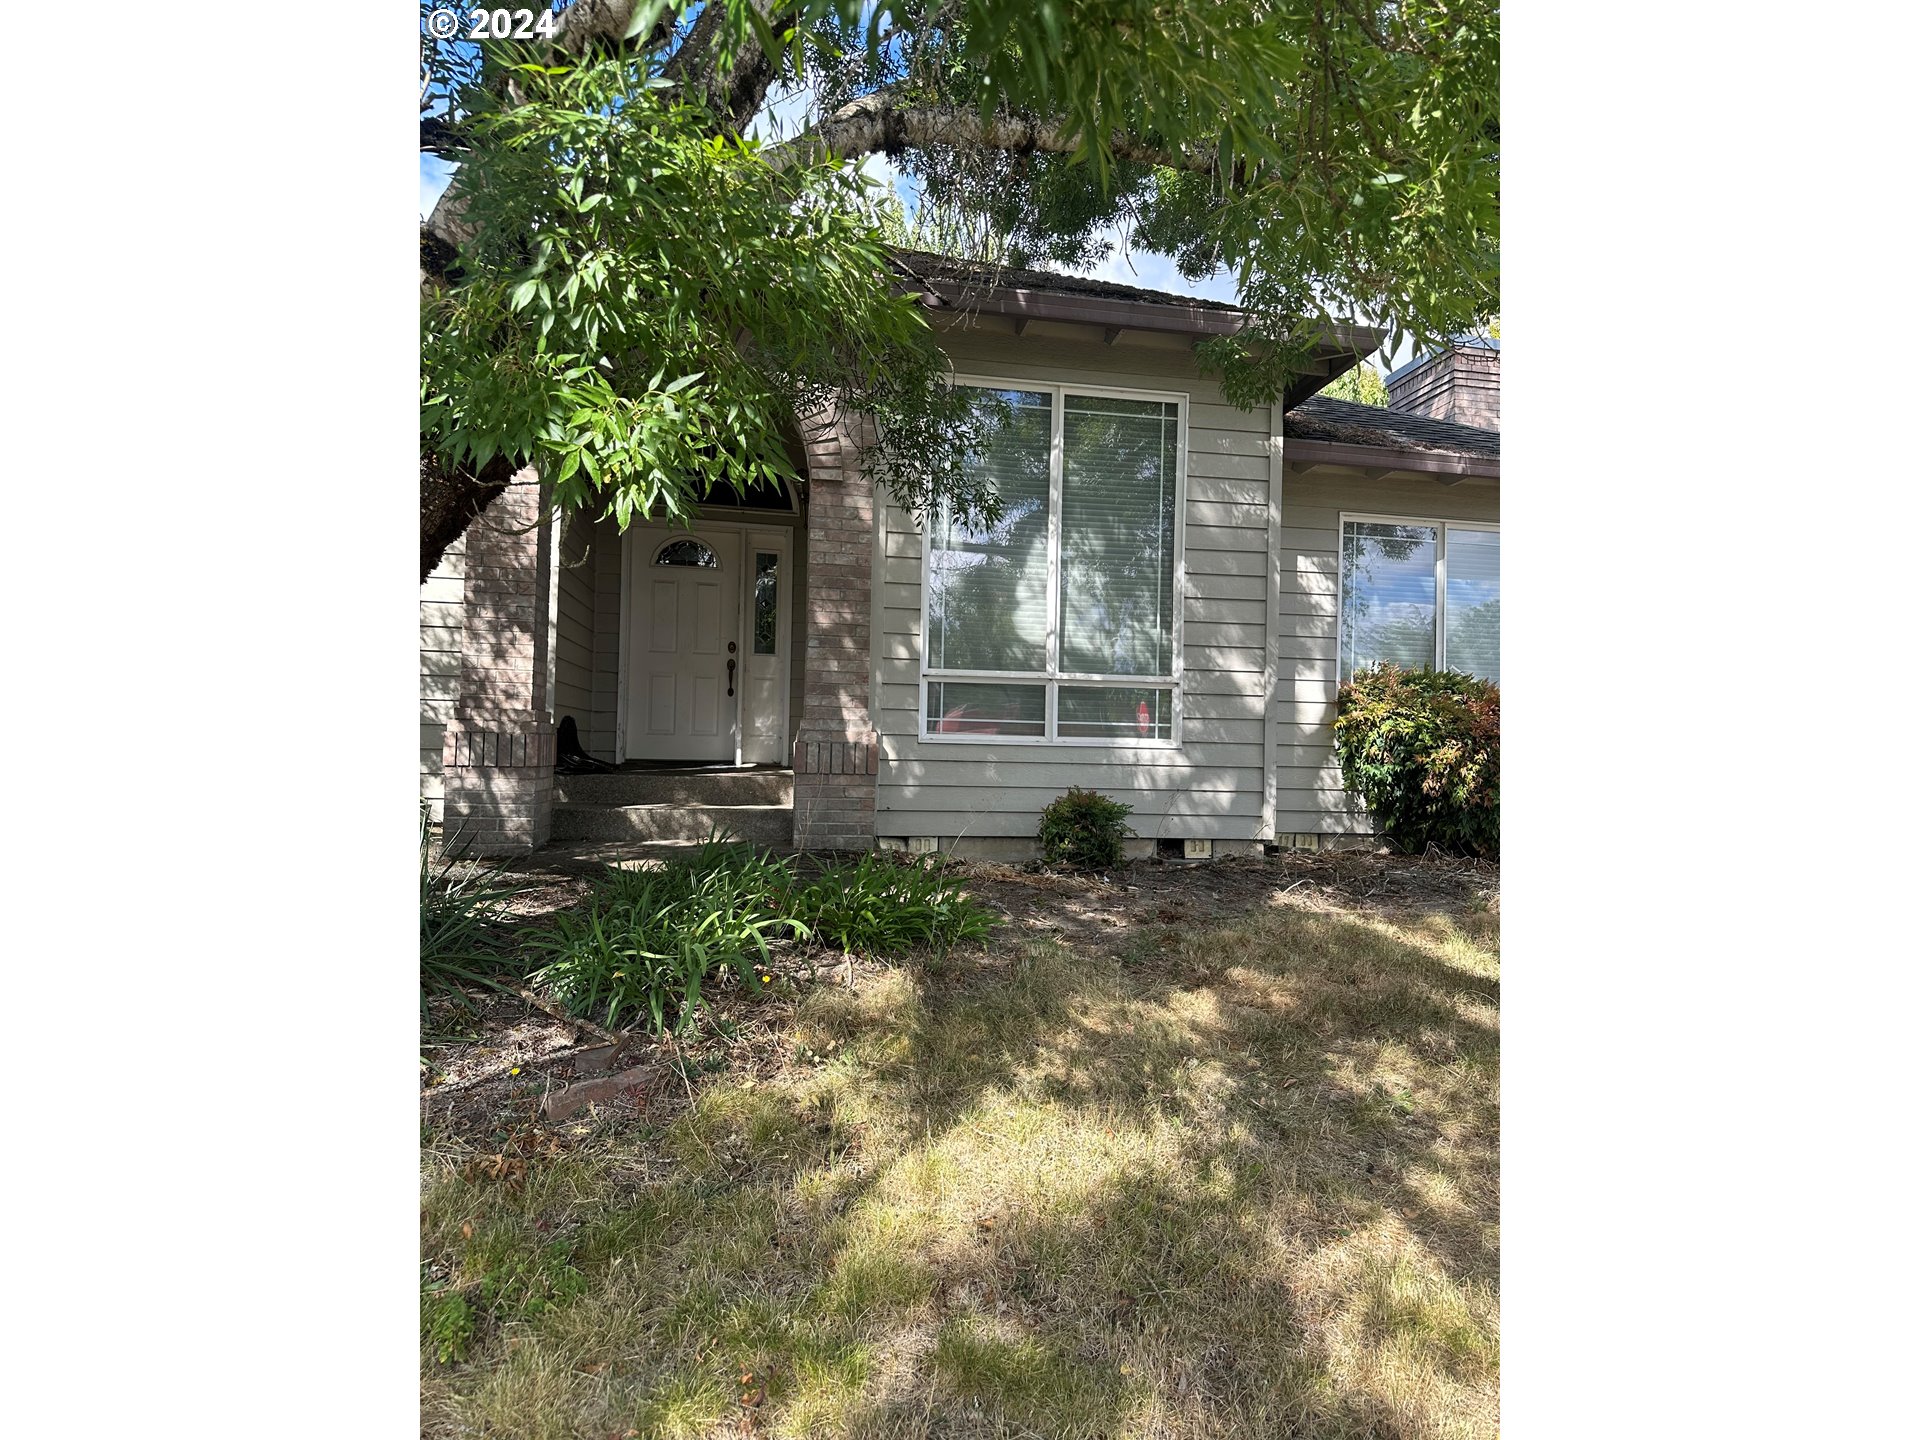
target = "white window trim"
x: 1053, y: 677
x: 1341, y: 674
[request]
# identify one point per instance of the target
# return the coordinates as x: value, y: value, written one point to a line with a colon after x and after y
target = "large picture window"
x: 1059, y: 623
x: 1423, y: 594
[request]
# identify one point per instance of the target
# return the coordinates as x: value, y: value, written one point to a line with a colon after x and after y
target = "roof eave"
x: 1091, y: 310
x: 1346, y: 342
x: 1439, y: 464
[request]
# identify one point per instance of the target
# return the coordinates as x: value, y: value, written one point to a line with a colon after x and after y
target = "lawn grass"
x: 1237, y: 1178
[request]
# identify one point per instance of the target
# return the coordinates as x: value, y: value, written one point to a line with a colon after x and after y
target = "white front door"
x: 683, y: 675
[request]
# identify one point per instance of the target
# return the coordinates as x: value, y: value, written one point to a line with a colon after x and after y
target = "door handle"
x: 730, y: 665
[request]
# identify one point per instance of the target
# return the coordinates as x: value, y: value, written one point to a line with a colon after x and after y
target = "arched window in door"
x: 687, y: 552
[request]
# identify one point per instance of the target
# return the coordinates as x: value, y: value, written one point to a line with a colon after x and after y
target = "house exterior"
x: 1163, y: 614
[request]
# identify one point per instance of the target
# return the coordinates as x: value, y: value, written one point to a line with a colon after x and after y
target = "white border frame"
x: 1053, y: 677
x: 1340, y: 676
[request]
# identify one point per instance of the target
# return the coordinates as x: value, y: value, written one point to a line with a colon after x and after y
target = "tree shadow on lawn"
x: 1343, y: 1051
x: 1240, y: 1181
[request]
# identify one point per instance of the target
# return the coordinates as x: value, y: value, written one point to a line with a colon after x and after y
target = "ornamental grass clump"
x: 652, y: 944
x: 879, y: 903
x: 653, y: 941
x: 1421, y: 749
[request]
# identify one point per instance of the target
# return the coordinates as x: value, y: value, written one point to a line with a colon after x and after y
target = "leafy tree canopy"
x: 624, y: 288
x: 1362, y: 385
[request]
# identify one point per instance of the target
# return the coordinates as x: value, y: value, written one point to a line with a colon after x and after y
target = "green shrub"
x: 1421, y: 749
x: 1085, y: 828
x: 652, y: 942
x: 460, y: 905
x: 878, y: 903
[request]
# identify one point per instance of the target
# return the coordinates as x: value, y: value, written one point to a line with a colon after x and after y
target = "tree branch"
x: 450, y: 498
x: 440, y: 136
x: 605, y: 21
x: 878, y: 123
x: 733, y: 95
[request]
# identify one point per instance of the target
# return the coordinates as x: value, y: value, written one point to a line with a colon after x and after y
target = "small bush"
x: 1084, y: 828
x: 1421, y: 749
x: 653, y: 942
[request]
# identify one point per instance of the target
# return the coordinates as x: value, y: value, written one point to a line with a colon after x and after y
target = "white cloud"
x: 878, y: 167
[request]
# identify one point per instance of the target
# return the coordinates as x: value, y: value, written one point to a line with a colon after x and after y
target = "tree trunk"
x: 449, y: 502
x: 880, y: 122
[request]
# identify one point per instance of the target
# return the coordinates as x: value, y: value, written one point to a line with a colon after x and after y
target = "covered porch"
x: 703, y: 676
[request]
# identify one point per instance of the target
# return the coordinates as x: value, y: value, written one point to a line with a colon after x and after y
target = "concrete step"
x: 676, y: 787
x: 758, y: 824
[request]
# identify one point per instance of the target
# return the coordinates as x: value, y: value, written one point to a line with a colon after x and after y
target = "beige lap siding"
x: 441, y: 618
x: 599, y: 730
x: 574, y: 626
x: 1310, y: 799
x: 1211, y: 786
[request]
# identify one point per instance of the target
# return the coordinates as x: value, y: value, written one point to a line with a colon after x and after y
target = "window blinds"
x: 1393, y: 609
x: 1387, y: 609
x: 1116, y: 536
x: 1473, y: 602
x: 987, y: 590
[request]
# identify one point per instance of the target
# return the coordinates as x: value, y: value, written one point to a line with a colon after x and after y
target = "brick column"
x: 836, y: 756
x: 498, y: 760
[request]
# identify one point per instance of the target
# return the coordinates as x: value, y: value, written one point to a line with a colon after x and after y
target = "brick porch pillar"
x: 498, y: 760
x: 836, y: 755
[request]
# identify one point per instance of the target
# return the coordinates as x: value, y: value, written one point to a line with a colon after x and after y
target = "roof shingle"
x: 945, y: 270
x: 1342, y: 422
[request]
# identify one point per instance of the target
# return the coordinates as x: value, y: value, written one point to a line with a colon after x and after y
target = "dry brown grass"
x: 1235, y: 1179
